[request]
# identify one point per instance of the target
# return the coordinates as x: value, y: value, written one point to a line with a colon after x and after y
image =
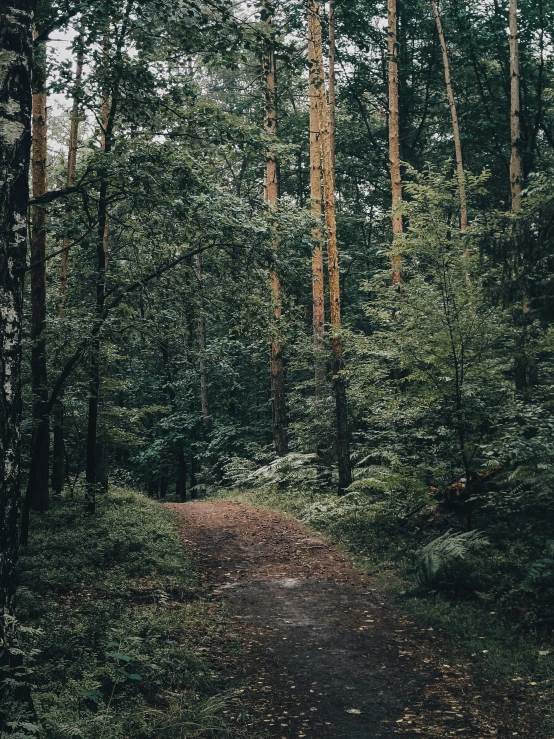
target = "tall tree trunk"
x: 37, y: 495
x: 71, y: 169
x: 515, y: 123
x: 16, y: 53
x: 92, y: 477
x: 394, y: 142
x: 204, y: 406
x: 332, y: 95
x: 181, y: 484
x: 342, y: 441
x: 271, y: 194
x: 521, y: 363
x: 58, y: 456
x: 318, y: 285
x: 454, y: 115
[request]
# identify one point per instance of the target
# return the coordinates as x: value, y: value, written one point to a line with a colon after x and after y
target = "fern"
x: 292, y: 469
x: 541, y: 572
x: 445, y: 550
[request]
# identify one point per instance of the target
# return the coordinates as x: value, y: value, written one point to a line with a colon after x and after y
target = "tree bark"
x: 204, y: 406
x: 92, y: 476
x: 271, y: 194
x: 181, y: 485
x: 16, y: 53
x: 515, y: 122
x: 332, y: 95
x: 394, y: 143
x: 37, y: 495
x: 342, y: 441
x: 71, y: 169
x: 454, y: 115
x: 318, y: 284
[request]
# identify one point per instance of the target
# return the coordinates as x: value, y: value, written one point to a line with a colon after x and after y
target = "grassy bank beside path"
x: 117, y: 636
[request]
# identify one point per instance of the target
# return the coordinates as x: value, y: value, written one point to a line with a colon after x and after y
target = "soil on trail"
x: 324, y: 654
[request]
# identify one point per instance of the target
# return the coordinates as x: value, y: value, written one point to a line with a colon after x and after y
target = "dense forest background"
x: 196, y: 319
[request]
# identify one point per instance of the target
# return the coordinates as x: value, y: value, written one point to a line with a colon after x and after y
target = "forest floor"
x: 324, y: 653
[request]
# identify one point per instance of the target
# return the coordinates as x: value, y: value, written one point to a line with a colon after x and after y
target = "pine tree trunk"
x: 16, y: 53
x: 318, y: 285
x: 342, y: 441
x: 181, y: 485
x: 271, y: 193
x: 332, y: 96
x: 515, y: 123
x: 394, y: 143
x: 92, y: 479
x: 204, y: 406
x: 521, y: 362
x: 454, y: 115
x: 71, y: 169
x: 37, y: 485
x: 58, y: 456
x: 164, y: 484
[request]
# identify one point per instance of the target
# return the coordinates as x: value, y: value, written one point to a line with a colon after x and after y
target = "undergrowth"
x: 113, y: 629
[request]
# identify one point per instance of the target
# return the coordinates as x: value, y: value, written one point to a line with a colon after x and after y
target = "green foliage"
x: 447, y: 549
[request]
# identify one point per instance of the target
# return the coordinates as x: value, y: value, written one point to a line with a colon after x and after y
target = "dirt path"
x: 324, y: 655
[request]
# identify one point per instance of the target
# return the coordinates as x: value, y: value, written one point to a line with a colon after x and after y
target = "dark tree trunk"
x: 37, y: 486
x: 16, y: 49
x: 164, y: 484
x: 102, y: 464
x: 92, y: 479
x: 194, y: 469
x: 58, y: 471
x: 181, y: 485
x: 58, y: 455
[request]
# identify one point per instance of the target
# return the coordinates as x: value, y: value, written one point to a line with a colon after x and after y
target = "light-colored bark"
x: 454, y: 115
x: 515, y: 124
x: 394, y: 141
x: 271, y: 194
x: 317, y: 236
x: 332, y: 94
x: 342, y: 444
x: 16, y: 44
x: 37, y: 495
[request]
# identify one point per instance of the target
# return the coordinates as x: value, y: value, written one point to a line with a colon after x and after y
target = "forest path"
x: 325, y: 655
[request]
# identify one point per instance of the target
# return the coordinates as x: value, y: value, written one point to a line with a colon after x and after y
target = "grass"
x: 480, y: 627
x: 115, y: 632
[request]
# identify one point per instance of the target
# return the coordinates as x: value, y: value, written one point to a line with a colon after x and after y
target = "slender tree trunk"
x: 454, y: 114
x: 181, y: 485
x: 318, y: 285
x: 202, y: 357
x: 37, y: 495
x: 515, y: 122
x: 521, y: 363
x: 332, y: 95
x: 71, y: 169
x: 92, y: 479
x: 394, y: 143
x: 271, y: 193
x: 58, y: 456
x: 342, y: 441
x: 163, y: 485
x: 16, y: 54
